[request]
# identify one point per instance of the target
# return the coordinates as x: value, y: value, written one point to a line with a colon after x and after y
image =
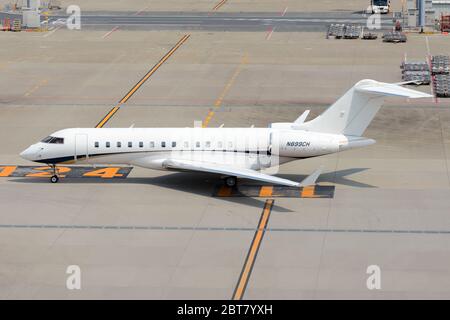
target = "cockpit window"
x: 54, y: 140
x: 57, y: 140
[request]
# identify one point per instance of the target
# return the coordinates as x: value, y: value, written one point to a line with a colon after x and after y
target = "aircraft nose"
x: 28, y: 153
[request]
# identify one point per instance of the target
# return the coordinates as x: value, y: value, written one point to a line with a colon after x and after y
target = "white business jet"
x: 250, y: 153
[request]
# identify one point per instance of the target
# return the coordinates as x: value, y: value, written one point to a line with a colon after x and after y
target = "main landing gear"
x: 230, y: 181
x: 54, y: 178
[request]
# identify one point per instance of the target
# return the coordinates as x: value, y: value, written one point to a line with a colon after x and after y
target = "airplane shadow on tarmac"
x: 335, y: 177
x: 204, y: 184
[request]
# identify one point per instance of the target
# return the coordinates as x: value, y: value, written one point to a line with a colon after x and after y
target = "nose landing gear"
x: 54, y: 178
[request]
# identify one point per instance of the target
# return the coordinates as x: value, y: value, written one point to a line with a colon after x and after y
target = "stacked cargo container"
x: 440, y: 70
x: 419, y: 72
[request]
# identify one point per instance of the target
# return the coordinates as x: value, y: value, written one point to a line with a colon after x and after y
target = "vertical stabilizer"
x: 352, y: 113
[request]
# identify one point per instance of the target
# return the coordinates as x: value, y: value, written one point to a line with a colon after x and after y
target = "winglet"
x: 311, y: 179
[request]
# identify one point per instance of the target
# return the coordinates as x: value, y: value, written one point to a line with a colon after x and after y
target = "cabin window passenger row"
x: 220, y: 144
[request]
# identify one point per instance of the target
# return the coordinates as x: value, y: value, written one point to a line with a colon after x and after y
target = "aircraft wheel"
x: 54, y: 179
x: 230, y: 181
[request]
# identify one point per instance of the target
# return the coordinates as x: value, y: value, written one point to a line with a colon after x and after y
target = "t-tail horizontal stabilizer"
x: 389, y: 89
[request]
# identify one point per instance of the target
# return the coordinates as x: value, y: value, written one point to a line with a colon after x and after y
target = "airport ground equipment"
x: 54, y: 5
x: 380, y: 6
x: 17, y: 25
x: 394, y: 37
x: 352, y: 32
x: 440, y: 64
x: 415, y: 66
x: 369, y: 35
x: 445, y: 23
x: 417, y: 71
x: 441, y: 85
x: 336, y: 30
x: 419, y: 77
x: 344, y: 31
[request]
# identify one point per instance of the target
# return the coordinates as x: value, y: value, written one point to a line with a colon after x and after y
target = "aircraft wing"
x: 238, y: 172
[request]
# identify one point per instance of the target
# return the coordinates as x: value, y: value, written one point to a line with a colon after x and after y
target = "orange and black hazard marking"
x: 65, y: 172
x: 259, y: 191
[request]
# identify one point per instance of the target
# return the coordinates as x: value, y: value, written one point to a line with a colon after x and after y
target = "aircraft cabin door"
x: 81, y: 147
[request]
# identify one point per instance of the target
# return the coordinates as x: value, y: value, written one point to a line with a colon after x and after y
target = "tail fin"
x: 353, y: 112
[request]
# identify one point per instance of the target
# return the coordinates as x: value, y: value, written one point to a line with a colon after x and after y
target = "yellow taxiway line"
x: 130, y: 93
x: 253, y: 251
x: 226, y: 89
